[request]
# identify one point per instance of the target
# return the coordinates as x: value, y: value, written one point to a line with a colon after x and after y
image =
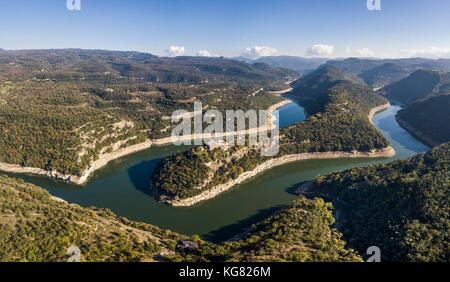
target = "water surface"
x: 122, y: 185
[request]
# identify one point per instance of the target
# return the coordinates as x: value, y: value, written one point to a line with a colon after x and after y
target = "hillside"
x: 401, y: 207
x: 317, y: 82
x: 77, y: 64
x: 312, y: 90
x: 418, y: 85
x: 34, y: 226
x: 381, y: 72
x: 301, y: 232
x: 62, y: 110
x: 428, y: 119
x: 337, y: 123
x: 298, y: 64
x: 384, y: 75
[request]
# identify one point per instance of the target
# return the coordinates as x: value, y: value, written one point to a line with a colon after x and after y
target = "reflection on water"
x: 404, y: 143
x: 122, y: 185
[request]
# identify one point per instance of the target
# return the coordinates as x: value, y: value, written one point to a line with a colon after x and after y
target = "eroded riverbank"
x: 215, y: 191
x: 105, y: 158
x: 122, y: 185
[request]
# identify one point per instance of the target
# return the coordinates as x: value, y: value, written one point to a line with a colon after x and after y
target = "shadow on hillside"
x: 230, y: 231
x: 140, y: 175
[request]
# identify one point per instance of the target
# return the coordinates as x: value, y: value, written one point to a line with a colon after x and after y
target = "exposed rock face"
x: 375, y: 110
x: 385, y: 152
x: 104, y: 158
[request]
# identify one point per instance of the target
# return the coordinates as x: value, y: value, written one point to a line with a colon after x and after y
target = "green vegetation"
x: 377, y: 73
x: 99, y: 65
x: 430, y: 117
x: 385, y: 74
x: 36, y: 227
x: 302, y: 232
x: 319, y: 81
x: 62, y: 109
x: 298, y: 64
x: 338, y: 122
x: 401, y: 207
x: 418, y: 85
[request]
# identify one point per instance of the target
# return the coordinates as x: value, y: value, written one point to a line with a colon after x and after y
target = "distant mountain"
x: 428, y: 119
x: 298, y: 64
x: 313, y: 90
x: 380, y: 72
x: 323, y: 78
x: 356, y: 66
x: 384, y: 75
x: 75, y: 63
x: 418, y: 85
x: 376, y: 73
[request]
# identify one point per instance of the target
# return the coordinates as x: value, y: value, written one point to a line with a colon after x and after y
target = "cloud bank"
x: 174, y: 51
x: 365, y: 52
x: 258, y: 51
x: 432, y: 52
x: 320, y: 50
x: 204, y: 53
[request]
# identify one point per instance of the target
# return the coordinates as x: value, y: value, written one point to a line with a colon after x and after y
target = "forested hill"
x: 298, y: 64
x: 337, y: 122
x: 418, y: 85
x: 385, y: 74
x: 34, y: 226
x: 317, y: 82
x: 60, y: 110
x: 381, y: 72
x: 401, y: 207
x: 428, y: 119
x: 313, y: 91
x: 78, y: 64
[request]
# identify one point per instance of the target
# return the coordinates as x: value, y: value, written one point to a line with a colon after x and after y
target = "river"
x: 123, y: 185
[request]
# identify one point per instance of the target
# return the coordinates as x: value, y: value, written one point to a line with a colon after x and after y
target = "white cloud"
x: 258, y: 51
x: 320, y: 50
x: 365, y: 52
x: 430, y: 52
x: 174, y: 51
x: 348, y: 51
x: 204, y: 53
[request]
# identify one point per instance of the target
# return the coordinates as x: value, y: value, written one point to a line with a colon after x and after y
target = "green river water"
x: 123, y: 185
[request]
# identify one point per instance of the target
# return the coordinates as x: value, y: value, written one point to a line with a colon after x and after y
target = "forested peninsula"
x: 66, y: 113
x: 337, y: 126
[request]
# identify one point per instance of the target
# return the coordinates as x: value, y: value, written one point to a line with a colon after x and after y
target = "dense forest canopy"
x: 377, y: 73
x: 34, y: 226
x: 418, y: 85
x: 62, y: 109
x: 401, y: 207
x: 385, y: 74
x: 301, y: 232
x: 430, y: 118
x: 78, y: 64
x: 337, y: 122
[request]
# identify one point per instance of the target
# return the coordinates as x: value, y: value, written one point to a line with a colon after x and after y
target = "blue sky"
x: 321, y: 28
